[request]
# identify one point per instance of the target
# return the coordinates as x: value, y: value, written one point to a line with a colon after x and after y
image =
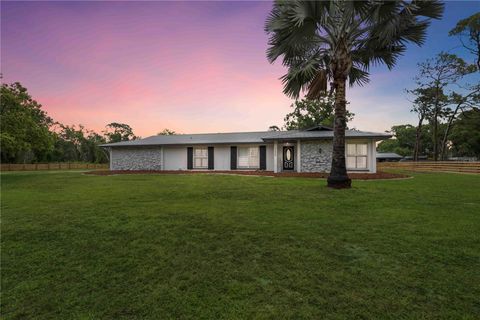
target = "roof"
x: 243, y: 137
x: 326, y: 134
x: 388, y: 155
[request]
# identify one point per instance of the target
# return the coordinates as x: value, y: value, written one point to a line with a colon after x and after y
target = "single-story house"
x: 388, y: 157
x: 307, y: 150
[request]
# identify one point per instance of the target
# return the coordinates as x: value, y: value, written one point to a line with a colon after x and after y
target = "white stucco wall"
x: 270, y: 157
x: 175, y: 158
x: 221, y: 157
x: 372, y: 156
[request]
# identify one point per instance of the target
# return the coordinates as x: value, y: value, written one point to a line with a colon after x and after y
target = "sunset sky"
x: 188, y: 66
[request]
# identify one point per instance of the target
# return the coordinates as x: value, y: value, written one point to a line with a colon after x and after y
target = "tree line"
x: 29, y: 135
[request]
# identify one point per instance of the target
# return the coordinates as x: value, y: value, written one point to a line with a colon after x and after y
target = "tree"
x: 273, y: 128
x: 423, y: 105
x: 336, y: 42
x: 468, y: 30
x: 25, y: 134
x: 403, y: 142
x: 166, y: 132
x: 74, y: 143
x: 461, y: 102
x: 96, y: 154
x: 309, y: 113
x: 116, y: 132
x: 465, y: 137
x: 435, y: 76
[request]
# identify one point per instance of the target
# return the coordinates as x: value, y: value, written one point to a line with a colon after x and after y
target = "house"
x: 388, y: 157
x: 307, y: 150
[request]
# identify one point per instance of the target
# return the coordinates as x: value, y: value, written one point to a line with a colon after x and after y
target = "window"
x: 357, y: 156
x: 248, y: 157
x: 200, y: 158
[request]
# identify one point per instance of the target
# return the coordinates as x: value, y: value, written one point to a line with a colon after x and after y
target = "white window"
x: 200, y: 158
x: 248, y: 157
x: 357, y: 156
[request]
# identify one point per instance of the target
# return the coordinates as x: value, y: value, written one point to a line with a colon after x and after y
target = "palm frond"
x: 428, y: 8
x: 308, y: 35
x: 299, y: 77
x: 357, y: 76
x: 415, y: 32
x: 318, y: 87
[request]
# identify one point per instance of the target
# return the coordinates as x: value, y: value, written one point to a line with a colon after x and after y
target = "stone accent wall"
x: 136, y: 158
x: 314, y: 161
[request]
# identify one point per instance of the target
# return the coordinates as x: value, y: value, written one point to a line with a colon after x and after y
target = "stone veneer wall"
x: 314, y: 161
x: 136, y: 159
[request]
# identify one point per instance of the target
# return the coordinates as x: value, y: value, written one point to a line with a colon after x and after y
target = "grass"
x: 234, y: 247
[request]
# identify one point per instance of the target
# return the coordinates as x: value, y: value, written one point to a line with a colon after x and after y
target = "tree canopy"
x: 465, y: 137
x: 166, y: 132
x: 309, y: 113
x: 468, y: 30
x: 28, y: 134
x: 25, y: 134
x: 116, y: 132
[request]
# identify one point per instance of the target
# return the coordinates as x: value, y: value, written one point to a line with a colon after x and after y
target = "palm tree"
x: 334, y: 41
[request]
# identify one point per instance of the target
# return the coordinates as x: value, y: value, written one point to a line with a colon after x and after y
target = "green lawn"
x: 236, y: 247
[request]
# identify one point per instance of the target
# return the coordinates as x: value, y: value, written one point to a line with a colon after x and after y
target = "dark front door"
x: 288, y: 156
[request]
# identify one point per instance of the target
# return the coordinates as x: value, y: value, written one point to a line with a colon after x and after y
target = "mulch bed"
x: 355, y: 176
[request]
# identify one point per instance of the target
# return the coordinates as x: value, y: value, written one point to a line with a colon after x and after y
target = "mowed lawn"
x: 76, y: 246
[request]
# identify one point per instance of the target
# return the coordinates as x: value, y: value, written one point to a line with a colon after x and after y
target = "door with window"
x: 288, y: 158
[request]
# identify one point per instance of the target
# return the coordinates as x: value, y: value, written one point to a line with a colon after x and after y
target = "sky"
x: 191, y: 67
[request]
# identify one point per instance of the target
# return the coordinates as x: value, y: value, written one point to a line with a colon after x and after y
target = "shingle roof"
x: 324, y: 134
x: 241, y: 137
x: 392, y: 155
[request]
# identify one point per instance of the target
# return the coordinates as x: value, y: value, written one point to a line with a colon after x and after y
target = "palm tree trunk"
x: 338, y: 177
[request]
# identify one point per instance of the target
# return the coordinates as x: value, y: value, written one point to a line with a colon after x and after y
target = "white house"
x: 295, y: 150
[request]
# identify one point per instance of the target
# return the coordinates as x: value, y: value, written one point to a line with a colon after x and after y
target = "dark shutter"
x: 263, y: 158
x: 210, y: 158
x: 233, y: 158
x: 189, y: 158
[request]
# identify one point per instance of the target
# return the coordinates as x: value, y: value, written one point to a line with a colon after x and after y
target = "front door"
x: 288, y: 156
